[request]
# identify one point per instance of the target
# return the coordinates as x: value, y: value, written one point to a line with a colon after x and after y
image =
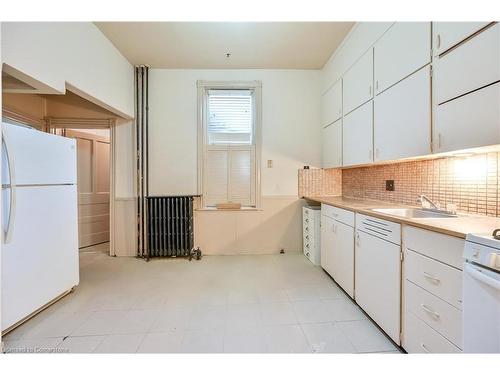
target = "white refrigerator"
x: 39, y: 219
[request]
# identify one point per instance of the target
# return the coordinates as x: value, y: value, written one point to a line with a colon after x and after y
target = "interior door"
x: 93, y: 187
x: 343, y: 257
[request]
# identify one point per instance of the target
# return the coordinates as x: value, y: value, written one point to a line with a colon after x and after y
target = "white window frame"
x: 203, y: 88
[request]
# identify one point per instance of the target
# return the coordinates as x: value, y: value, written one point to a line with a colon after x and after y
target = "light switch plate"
x: 269, y: 163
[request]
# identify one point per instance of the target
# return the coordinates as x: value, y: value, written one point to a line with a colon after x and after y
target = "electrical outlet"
x: 389, y: 185
x: 269, y: 163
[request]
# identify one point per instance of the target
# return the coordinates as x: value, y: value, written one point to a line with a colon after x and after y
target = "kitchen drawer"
x: 470, y: 66
x: 339, y: 214
x: 446, y: 249
x: 421, y: 338
x: 387, y: 230
x: 438, y: 278
x: 440, y: 315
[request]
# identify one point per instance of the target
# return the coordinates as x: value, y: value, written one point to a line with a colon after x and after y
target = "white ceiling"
x: 203, y: 45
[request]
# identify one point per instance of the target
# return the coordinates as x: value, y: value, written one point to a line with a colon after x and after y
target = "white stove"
x: 481, y: 294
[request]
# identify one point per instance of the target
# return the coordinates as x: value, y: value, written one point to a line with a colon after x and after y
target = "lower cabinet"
x: 337, y: 248
x: 432, y: 292
x: 378, y: 274
x: 327, y: 240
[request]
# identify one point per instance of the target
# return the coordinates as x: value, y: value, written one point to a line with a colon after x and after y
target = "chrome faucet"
x: 423, y: 198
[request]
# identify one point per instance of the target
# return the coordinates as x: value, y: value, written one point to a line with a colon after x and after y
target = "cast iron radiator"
x: 170, y: 226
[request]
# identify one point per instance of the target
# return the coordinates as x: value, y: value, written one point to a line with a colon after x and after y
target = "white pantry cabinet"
x: 402, y: 118
x: 472, y: 120
x: 357, y: 84
x: 470, y: 66
x: 402, y: 50
x: 331, y: 104
x: 332, y: 145
x: 449, y: 34
x: 357, y: 129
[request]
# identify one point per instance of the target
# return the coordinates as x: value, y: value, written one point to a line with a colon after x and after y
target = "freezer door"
x: 37, y: 158
x: 41, y: 260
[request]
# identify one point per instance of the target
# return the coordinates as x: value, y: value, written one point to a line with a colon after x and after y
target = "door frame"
x: 53, y: 125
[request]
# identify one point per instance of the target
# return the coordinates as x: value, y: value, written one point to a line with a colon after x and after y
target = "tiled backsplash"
x: 471, y: 183
x: 320, y: 182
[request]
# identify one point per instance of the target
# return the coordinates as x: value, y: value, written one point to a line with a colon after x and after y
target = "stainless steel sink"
x: 415, y: 213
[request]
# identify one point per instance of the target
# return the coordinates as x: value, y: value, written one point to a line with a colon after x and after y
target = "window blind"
x: 230, y: 116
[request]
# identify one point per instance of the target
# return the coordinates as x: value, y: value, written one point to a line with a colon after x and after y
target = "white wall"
x: 290, y: 126
x: 361, y: 37
x: 53, y: 56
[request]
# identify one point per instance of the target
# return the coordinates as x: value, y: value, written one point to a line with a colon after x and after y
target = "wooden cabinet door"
x: 357, y: 130
x: 93, y: 187
x: 402, y: 50
x: 331, y: 104
x: 357, y: 86
x: 402, y: 118
x: 448, y: 34
x: 343, y: 257
x: 327, y: 243
x: 332, y: 145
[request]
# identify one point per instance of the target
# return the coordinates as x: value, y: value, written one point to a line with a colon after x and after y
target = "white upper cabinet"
x: 402, y: 118
x: 357, y: 129
x: 473, y: 120
x: 332, y: 145
x: 472, y: 65
x: 331, y: 104
x: 402, y: 50
x: 449, y: 34
x: 358, y: 83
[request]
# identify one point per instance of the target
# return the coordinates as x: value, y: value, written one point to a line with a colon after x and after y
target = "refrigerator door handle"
x: 12, y: 178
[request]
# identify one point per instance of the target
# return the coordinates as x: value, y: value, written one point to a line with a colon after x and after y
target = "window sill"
x: 242, y: 209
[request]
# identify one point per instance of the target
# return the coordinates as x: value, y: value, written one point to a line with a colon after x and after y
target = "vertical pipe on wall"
x: 141, y: 108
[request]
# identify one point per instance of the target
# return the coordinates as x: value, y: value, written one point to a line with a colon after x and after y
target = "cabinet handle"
x: 334, y: 228
x: 438, y: 41
x: 424, y: 348
x: 357, y: 239
x: 376, y: 85
x: 440, y: 139
x: 427, y: 309
x: 370, y: 90
x: 435, y: 280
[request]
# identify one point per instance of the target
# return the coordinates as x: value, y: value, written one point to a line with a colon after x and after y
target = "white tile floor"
x: 233, y: 304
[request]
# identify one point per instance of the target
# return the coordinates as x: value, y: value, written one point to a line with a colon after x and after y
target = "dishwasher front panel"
x: 378, y: 281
